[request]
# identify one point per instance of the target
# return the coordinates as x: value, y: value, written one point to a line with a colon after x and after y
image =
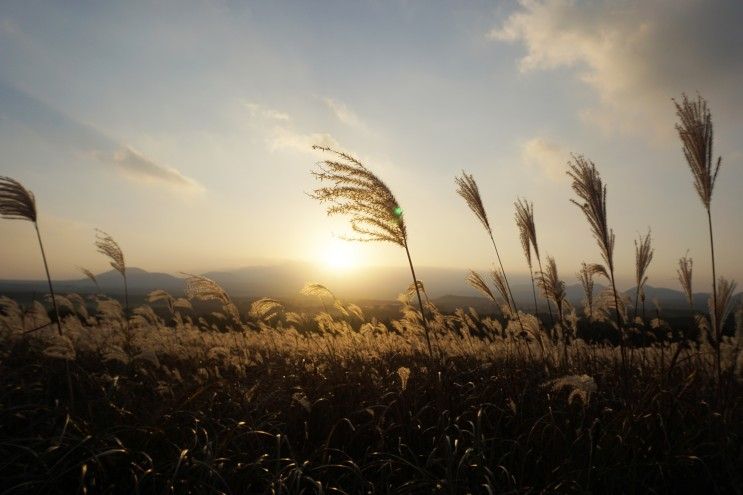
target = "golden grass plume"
x: 684, y: 271
x: 16, y: 202
x: 109, y: 247
x: 357, y: 192
x: 696, y: 133
x: 467, y: 189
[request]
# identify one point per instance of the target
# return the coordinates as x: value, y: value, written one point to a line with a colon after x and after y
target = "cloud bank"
x: 635, y: 55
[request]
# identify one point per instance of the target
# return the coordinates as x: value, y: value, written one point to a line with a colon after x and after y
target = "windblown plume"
x: 500, y: 284
x: 297, y: 319
x: 356, y: 192
x: 317, y: 290
x: 206, y: 289
x: 404, y: 374
x: 470, y: 192
x: 162, y: 295
x: 16, y: 202
x: 525, y: 245
x: 413, y: 287
x: 528, y: 237
x: 144, y: 315
x: 591, y: 190
x: 159, y: 295
x: 62, y: 302
x: 467, y: 188
x: 355, y: 310
x: 684, y: 273
x: 10, y: 308
x: 476, y: 281
x: 108, y: 308
x: 527, y: 229
x: 551, y: 285
x: 643, y: 257
x: 721, y: 311
x: 337, y: 304
x: 182, y: 303
x: 695, y: 131
x: 90, y: 275
x: 108, y: 246
x: 266, y: 309
x: 200, y: 287
x: 580, y: 386
x: 375, y: 214
x: 598, y: 269
x: 80, y: 306
x: 585, y: 276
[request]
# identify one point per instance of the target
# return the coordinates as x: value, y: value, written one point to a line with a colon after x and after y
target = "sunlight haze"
x: 186, y: 133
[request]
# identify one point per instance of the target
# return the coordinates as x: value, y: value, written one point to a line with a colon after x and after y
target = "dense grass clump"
x: 358, y: 407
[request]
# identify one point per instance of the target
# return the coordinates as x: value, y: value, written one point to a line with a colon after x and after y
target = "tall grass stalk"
x: 720, y: 309
x: 591, y: 192
x: 91, y: 276
x: 643, y: 256
x: 476, y: 281
x: 528, y: 236
x: 467, y: 188
x: 375, y: 214
x: 18, y: 203
x: 696, y: 134
x: 109, y: 247
x: 554, y: 289
x: 684, y: 272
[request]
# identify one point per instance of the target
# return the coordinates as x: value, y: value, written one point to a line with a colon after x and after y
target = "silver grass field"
x: 199, y: 392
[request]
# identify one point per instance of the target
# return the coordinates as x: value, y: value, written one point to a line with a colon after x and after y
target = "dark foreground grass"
x: 329, y: 426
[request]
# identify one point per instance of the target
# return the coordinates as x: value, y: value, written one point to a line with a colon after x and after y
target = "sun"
x: 339, y: 255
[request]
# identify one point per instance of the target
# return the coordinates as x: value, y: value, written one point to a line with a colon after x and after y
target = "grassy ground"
x: 359, y: 409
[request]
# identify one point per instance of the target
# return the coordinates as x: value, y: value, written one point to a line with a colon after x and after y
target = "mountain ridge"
x: 381, y: 283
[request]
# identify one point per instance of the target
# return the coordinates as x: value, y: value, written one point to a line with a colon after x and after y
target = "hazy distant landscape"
x: 447, y: 287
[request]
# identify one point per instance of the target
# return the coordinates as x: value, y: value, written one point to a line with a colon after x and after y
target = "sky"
x: 184, y: 129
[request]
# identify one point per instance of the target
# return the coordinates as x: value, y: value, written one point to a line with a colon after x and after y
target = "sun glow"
x: 339, y: 255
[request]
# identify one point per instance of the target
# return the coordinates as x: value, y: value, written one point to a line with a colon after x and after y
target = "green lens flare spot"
x: 397, y: 211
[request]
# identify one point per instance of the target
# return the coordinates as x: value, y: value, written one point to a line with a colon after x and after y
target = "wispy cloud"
x: 281, y: 134
x: 257, y: 110
x: 66, y: 132
x: 343, y: 113
x: 635, y: 55
x: 283, y: 138
x: 140, y: 168
x: 547, y: 157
